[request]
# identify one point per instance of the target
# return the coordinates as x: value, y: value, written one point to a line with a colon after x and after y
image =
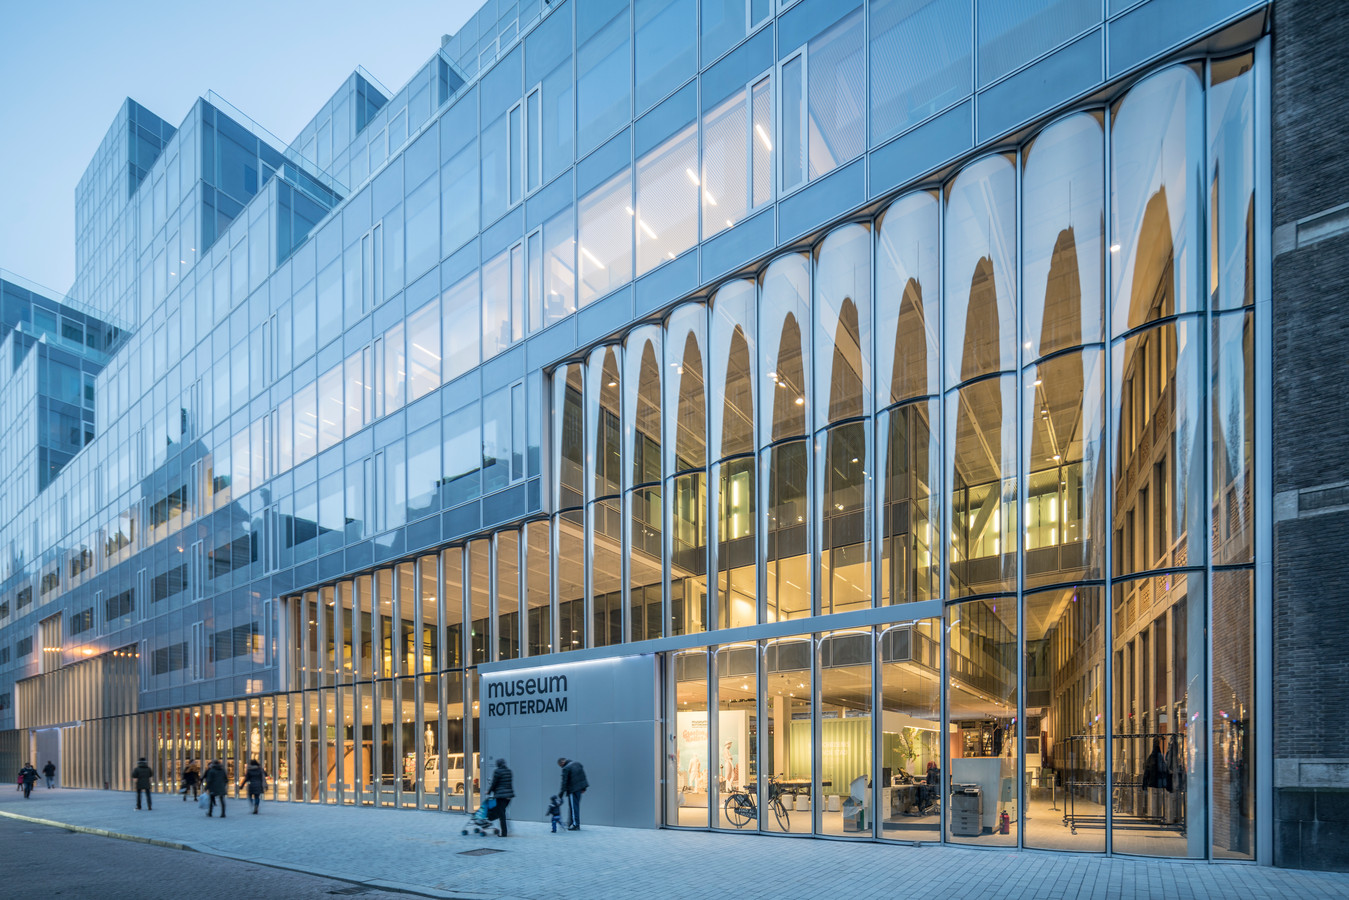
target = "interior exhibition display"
x: 818, y: 418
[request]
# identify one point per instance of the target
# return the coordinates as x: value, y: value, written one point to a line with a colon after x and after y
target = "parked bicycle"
x: 742, y: 808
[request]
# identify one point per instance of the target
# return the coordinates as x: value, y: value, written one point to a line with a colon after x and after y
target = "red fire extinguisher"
x: 1004, y: 823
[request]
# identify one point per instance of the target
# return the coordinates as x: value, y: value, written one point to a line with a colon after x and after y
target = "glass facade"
x: 618, y: 330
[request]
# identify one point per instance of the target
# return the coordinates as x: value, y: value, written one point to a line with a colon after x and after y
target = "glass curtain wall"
x: 1049, y: 360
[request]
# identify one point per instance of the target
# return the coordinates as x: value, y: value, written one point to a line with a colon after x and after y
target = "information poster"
x: 731, y: 759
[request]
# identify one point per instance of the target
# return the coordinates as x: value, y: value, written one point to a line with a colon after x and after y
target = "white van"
x: 454, y: 773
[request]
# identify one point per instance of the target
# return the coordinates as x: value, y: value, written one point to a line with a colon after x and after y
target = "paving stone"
x: 420, y: 852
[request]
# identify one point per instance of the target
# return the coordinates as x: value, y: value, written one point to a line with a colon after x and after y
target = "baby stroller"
x: 481, y: 820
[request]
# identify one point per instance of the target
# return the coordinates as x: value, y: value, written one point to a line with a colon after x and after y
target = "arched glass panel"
x: 732, y: 343
x: 645, y: 529
x: 569, y: 572
x: 736, y: 552
x: 845, y: 519
x: 1159, y: 734
x: 784, y: 353
x: 452, y: 609
x: 981, y: 700
x: 1233, y: 710
x: 908, y: 293
x: 788, y: 743
x: 602, y: 421
x: 843, y: 325
x: 685, y: 388
x: 979, y: 279
x: 641, y: 403
x: 568, y: 436
x: 980, y: 469
x: 786, y: 529
x: 539, y: 621
x: 606, y: 574
x: 1156, y: 163
x: 910, y: 460
x: 732, y: 424
x: 1063, y: 216
x: 911, y: 731
x: 1231, y: 136
x: 508, y: 594
x: 687, y: 454
x: 480, y: 601
x: 688, y: 552
x: 1159, y: 461
x: 1061, y: 420
x: 1232, y: 361
x: 1065, y: 718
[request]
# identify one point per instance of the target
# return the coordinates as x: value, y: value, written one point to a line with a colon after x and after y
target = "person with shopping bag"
x: 216, y: 783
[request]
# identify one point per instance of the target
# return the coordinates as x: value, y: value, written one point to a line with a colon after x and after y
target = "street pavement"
x: 421, y: 853
x: 44, y: 862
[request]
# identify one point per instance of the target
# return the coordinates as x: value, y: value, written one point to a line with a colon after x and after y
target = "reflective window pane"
x: 980, y: 472
x: 981, y: 699
x: 1157, y: 715
x: 604, y: 238
x: 787, y: 739
x: 1063, y: 214
x: 980, y: 270
x: 1065, y: 731
x: 1062, y: 422
x: 908, y: 294
x: 845, y: 733
x: 911, y: 733
x: 691, y: 783
x: 1156, y: 148
x: 910, y: 464
x: 668, y: 188
x: 1158, y: 460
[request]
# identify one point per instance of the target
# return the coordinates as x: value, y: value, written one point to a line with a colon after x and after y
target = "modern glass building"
x: 827, y: 418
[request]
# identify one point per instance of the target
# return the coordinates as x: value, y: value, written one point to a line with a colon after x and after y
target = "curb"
x: 392, y: 887
x: 101, y: 832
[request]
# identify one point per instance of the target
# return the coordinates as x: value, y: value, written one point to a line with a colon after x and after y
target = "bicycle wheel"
x: 780, y: 812
x: 739, y: 810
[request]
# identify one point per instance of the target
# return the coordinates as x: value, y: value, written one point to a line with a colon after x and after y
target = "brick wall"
x: 1311, y: 433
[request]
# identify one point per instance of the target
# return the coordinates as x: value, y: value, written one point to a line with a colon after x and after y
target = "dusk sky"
x: 66, y: 67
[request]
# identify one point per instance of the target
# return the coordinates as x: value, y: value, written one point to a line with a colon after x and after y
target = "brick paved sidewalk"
x: 419, y: 852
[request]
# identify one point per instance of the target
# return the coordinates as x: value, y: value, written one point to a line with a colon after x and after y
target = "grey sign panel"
x: 603, y: 713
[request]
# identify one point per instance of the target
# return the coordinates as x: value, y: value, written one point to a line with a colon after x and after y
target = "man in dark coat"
x: 27, y: 777
x: 502, y: 790
x: 49, y: 772
x: 216, y: 783
x: 574, y: 784
x: 141, y: 775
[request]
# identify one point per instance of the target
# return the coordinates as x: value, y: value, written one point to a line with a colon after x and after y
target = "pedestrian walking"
x: 501, y: 789
x: 27, y: 778
x: 49, y: 772
x: 216, y: 783
x: 191, y: 780
x: 255, y: 777
x: 142, y: 775
x: 574, y: 784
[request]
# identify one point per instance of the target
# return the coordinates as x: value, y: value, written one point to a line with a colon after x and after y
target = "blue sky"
x: 65, y: 68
